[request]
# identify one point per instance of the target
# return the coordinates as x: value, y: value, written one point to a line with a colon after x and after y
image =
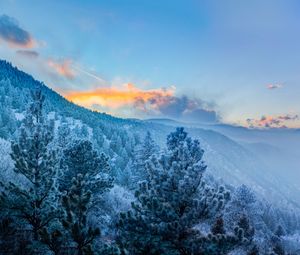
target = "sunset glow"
x: 115, y: 97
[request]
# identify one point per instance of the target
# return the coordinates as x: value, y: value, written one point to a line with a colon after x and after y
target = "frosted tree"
x: 172, y: 202
x: 81, y: 158
x: 218, y: 227
x: 53, y: 239
x: 86, y: 179
x: 7, y: 118
x: 279, y: 231
x: 7, y: 165
x: 76, y: 205
x: 141, y: 154
x: 33, y: 203
x: 63, y: 136
x: 244, y: 204
x: 244, y: 224
x: 7, y: 233
x: 276, y: 240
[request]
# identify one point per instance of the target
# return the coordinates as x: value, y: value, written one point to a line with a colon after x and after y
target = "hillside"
x: 228, y: 160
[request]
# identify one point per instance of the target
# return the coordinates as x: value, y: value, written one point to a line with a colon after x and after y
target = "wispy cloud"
x: 279, y: 121
x: 88, y: 73
x: 13, y: 34
x: 28, y: 53
x: 274, y: 86
x: 62, y: 67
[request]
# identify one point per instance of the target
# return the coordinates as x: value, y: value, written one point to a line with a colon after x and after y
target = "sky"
x: 208, y: 61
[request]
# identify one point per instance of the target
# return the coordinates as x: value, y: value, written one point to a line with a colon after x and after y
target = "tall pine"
x: 135, y: 170
x: 33, y: 202
x: 76, y: 206
x: 172, y: 202
x: 86, y: 179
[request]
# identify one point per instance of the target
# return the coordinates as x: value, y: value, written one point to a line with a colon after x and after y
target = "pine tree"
x: 63, y: 137
x: 172, y: 202
x: 81, y: 158
x: 33, y: 203
x: 76, y: 205
x: 218, y: 227
x: 53, y: 240
x: 278, y: 249
x: 7, y: 235
x: 244, y: 205
x: 86, y: 179
x: 253, y: 251
x: 244, y: 224
x: 142, y: 153
x: 279, y: 231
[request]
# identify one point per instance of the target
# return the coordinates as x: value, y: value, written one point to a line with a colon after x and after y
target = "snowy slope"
x: 230, y: 156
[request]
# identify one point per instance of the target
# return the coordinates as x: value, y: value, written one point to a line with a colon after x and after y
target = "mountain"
x: 234, y: 155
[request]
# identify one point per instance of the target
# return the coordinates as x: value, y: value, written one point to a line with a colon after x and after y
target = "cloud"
x: 156, y: 102
x: 62, y: 67
x: 28, y: 53
x: 274, y: 86
x: 13, y: 34
x: 279, y: 121
x: 116, y: 97
x: 185, y: 108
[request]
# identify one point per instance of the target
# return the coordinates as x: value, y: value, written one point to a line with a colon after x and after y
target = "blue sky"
x: 228, y: 61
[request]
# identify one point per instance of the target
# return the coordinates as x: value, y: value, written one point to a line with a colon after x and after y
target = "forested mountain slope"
x: 227, y: 159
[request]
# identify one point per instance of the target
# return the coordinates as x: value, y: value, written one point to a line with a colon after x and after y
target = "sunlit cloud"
x: 13, y: 34
x: 116, y: 97
x: 161, y: 102
x: 62, y: 67
x: 280, y: 121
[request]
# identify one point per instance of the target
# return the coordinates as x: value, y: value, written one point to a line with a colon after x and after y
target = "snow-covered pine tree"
x: 63, y: 136
x: 142, y: 153
x: 53, y: 239
x: 218, y: 227
x: 244, y: 224
x: 279, y: 231
x: 85, y: 180
x: 172, y: 202
x: 8, y: 121
x: 76, y: 204
x: 7, y: 233
x: 33, y: 203
x: 276, y: 241
x: 81, y: 158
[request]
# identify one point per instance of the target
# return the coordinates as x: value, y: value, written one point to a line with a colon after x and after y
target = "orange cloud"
x: 63, y: 68
x: 272, y: 121
x: 128, y: 95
